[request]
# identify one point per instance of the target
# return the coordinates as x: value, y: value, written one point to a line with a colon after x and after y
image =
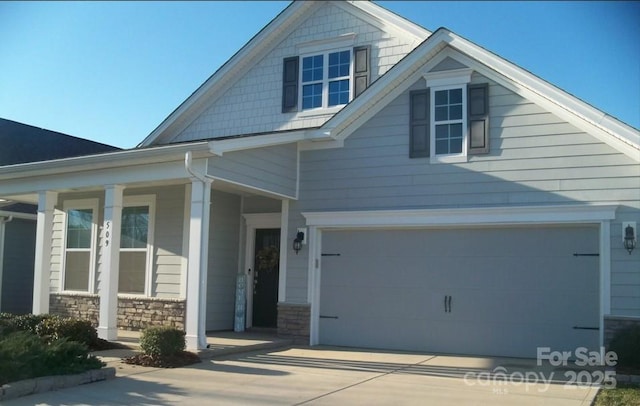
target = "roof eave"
x: 108, y: 160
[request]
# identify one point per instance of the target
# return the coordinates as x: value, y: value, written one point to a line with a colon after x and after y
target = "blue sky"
x: 112, y: 71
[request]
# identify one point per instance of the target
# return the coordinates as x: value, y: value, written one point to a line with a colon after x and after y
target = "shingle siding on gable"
x: 254, y: 103
x: 535, y: 159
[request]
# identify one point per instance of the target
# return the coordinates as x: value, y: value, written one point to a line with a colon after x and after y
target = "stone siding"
x: 293, y: 322
x: 614, y: 324
x: 137, y: 313
x: 84, y: 306
x: 134, y: 313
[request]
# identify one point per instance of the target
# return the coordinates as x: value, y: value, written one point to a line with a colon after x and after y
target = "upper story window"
x: 449, y: 119
x: 322, y: 80
x: 79, y: 248
x: 326, y: 79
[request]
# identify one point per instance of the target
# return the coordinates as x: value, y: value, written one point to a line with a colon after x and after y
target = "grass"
x: 622, y: 395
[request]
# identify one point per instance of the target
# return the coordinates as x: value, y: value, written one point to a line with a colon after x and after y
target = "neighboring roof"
x: 262, y: 43
x: 14, y: 208
x: 411, y: 68
x: 21, y: 143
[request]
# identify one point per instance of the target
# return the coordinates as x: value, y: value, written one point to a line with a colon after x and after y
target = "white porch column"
x: 198, y: 264
x: 42, y: 265
x: 110, y: 266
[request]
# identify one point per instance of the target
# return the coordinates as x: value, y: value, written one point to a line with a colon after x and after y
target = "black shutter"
x: 290, y: 85
x: 362, y: 69
x: 478, y: 100
x: 419, y: 124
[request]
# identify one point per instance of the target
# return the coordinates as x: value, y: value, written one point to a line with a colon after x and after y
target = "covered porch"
x: 159, y: 236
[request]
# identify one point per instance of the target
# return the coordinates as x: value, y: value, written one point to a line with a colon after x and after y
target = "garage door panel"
x: 510, y: 288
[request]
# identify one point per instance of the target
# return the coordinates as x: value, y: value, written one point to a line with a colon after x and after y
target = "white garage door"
x: 498, y: 291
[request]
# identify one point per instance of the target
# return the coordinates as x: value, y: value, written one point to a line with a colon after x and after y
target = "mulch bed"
x: 178, y: 360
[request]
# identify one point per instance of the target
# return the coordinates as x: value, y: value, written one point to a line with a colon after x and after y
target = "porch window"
x: 81, y: 229
x: 135, y: 249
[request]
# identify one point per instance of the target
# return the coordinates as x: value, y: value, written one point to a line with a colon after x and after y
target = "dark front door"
x: 265, y: 277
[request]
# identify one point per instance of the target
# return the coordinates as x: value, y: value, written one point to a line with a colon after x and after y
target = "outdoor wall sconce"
x: 297, y: 243
x: 629, y: 236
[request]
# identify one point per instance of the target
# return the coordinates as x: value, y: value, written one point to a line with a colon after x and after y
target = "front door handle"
x: 449, y: 303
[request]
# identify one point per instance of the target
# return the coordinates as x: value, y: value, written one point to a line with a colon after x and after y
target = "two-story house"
x: 351, y: 178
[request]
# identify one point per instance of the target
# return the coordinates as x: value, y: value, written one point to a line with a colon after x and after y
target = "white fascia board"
x: 479, y: 216
x: 584, y: 116
x: 259, y: 141
x: 108, y: 160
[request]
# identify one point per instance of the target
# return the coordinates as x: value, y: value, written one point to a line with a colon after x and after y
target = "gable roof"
x: 23, y: 143
x: 261, y: 44
x: 412, y: 67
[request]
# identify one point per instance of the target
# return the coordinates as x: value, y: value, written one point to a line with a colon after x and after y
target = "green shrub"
x: 69, y: 357
x: 22, y: 354
x: 56, y: 328
x: 23, y: 322
x: 626, y: 344
x: 25, y: 355
x: 162, y: 341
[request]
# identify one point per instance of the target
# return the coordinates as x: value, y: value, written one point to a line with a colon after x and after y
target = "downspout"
x: 3, y: 221
x: 188, y: 160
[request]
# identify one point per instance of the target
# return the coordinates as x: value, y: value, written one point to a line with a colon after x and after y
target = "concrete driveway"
x: 330, y: 376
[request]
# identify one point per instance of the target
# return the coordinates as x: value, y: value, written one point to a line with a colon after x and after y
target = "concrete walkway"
x: 326, y: 375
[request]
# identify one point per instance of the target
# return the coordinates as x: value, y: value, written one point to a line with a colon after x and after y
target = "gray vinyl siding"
x: 224, y: 236
x: 253, y: 104
x: 535, y: 159
x: 167, y: 239
x: 18, y: 259
x: 167, y: 244
x: 273, y: 169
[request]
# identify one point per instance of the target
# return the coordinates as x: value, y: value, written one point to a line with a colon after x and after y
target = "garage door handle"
x: 328, y: 317
x: 447, y: 304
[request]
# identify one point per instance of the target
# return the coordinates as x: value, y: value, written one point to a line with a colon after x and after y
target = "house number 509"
x: 107, y: 233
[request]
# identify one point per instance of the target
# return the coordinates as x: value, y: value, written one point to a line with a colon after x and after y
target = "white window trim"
x: 80, y: 204
x: 149, y: 201
x: 325, y: 108
x: 447, y: 80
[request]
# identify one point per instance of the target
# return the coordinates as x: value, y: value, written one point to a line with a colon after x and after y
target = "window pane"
x: 442, y: 147
x: 135, y: 227
x: 338, y: 92
x: 133, y: 268
x: 312, y: 96
x: 455, y: 130
x: 455, y: 96
x: 455, y: 112
x: 455, y: 146
x: 441, y: 98
x: 441, y: 114
x: 79, y: 224
x: 312, y: 68
x: 339, y: 64
x: 76, y: 270
x: 442, y: 131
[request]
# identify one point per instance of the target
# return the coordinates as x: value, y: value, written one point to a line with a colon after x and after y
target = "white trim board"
x: 466, y: 216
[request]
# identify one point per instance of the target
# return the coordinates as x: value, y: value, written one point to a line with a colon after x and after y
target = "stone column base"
x: 294, y: 321
x: 614, y: 324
